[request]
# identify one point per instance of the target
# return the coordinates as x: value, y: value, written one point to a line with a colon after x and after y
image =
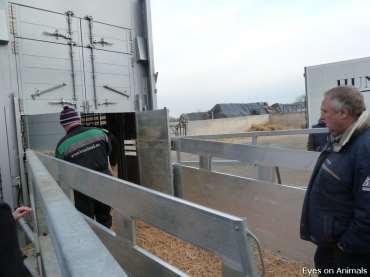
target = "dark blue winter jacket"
x: 336, y: 207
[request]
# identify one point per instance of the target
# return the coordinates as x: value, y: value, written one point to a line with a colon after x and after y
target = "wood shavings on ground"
x: 196, y: 261
x: 188, y: 258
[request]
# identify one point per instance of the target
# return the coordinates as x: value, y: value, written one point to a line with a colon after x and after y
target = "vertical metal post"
x: 92, y: 57
x: 205, y: 162
x: 254, y: 139
x: 151, y: 72
x: 69, y: 15
x: 21, y: 153
x: 278, y: 175
x: 263, y: 172
x: 177, y: 144
x: 36, y: 228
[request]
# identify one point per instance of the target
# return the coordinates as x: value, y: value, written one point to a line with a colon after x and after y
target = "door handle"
x: 58, y: 35
x: 102, y: 42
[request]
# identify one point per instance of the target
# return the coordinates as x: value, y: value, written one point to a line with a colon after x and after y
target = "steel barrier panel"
x: 153, y: 148
x: 251, y: 154
x: 213, y: 230
x: 261, y: 133
x: 44, y: 131
x: 50, y: 264
x: 133, y: 258
x: 78, y: 249
x: 273, y: 210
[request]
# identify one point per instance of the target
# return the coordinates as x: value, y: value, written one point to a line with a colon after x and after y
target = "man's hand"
x: 21, y: 212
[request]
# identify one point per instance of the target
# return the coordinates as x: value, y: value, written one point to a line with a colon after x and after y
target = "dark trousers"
x: 93, y: 208
x: 331, y: 261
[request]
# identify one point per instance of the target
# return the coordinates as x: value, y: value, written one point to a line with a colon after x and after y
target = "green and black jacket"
x: 86, y: 146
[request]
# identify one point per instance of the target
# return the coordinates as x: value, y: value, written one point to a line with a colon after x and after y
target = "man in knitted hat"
x: 89, y: 147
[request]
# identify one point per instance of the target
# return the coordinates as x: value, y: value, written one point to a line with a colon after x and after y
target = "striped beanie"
x: 68, y: 116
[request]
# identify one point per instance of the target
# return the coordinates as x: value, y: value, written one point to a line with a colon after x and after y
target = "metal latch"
x: 102, y: 42
x: 123, y: 93
x: 38, y: 92
x: 62, y: 102
x: 106, y: 103
x: 58, y: 35
x: 86, y: 106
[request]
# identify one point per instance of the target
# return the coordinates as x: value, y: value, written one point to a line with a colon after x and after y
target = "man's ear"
x: 344, y: 113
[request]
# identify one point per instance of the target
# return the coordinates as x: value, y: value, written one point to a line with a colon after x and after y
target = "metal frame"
x: 272, y: 210
x: 78, y: 250
x: 221, y: 233
x: 250, y: 154
x: 256, y: 134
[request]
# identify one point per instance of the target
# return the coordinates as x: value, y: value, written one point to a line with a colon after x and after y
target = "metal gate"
x: 63, y: 59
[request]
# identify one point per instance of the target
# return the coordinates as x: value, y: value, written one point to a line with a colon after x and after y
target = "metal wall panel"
x: 116, y: 24
x: 272, y: 211
x: 107, y: 37
x: 153, y: 148
x: 46, y: 78
x: 44, y: 132
x: 112, y: 72
x: 116, y: 12
x: 33, y: 23
x: 8, y: 150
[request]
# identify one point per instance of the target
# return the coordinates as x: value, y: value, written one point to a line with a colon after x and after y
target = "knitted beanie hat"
x: 68, y: 116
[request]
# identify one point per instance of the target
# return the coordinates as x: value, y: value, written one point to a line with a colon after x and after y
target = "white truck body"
x: 320, y: 78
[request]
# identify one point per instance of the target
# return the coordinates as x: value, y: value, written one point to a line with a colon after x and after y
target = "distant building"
x: 238, y: 109
x: 194, y: 116
x: 289, y: 108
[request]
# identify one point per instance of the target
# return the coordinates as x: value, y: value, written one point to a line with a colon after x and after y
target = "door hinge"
x: 21, y: 105
x: 107, y: 103
x: 85, y: 106
x: 131, y: 43
x: 12, y: 20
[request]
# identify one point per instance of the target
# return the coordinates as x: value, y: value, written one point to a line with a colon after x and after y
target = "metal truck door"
x: 49, y: 64
x: 153, y: 150
x: 108, y: 67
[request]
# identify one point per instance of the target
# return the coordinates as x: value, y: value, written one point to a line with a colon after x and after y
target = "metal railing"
x: 267, y: 163
x: 272, y: 210
x: 221, y: 233
x: 79, y: 252
x: 256, y: 134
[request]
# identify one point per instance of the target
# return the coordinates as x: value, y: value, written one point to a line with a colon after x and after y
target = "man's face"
x: 336, y: 121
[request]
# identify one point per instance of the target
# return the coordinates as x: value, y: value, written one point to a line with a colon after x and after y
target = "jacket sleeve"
x: 7, y: 224
x: 356, y: 238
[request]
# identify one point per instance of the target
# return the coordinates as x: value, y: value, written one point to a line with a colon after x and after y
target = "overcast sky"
x: 239, y: 51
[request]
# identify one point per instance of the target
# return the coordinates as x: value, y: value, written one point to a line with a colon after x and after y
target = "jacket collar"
x: 357, y: 127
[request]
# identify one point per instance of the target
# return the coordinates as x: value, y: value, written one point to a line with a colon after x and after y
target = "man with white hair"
x: 336, y: 209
